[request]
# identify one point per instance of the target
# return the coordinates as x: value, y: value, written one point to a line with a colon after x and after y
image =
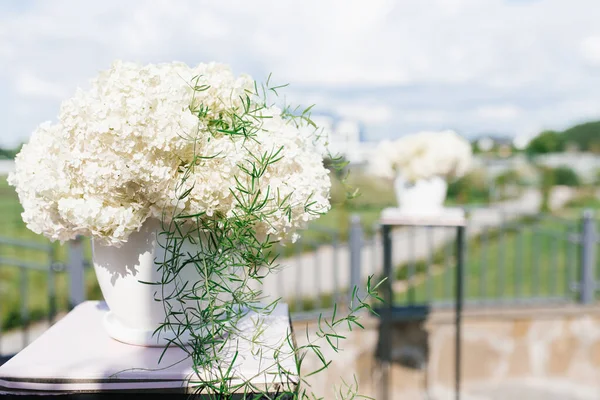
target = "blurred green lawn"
x: 524, y: 260
x: 530, y: 258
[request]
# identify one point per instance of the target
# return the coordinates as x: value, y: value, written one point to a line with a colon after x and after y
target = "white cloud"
x: 590, y: 49
x: 471, y: 65
x: 28, y: 85
x: 366, y: 112
x: 498, y: 112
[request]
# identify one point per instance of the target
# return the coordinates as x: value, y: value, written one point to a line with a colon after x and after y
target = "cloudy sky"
x: 495, y: 66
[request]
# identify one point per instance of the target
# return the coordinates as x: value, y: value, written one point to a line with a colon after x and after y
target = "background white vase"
x: 135, y: 313
x: 422, y: 196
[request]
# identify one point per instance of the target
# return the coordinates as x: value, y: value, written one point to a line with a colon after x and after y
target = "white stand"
x: 77, y: 355
x: 446, y: 217
x: 441, y: 217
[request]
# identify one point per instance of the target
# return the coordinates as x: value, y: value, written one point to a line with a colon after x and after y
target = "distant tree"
x: 546, y: 142
x: 565, y: 176
x: 509, y: 177
x: 9, y: 154
x: 585, y: 136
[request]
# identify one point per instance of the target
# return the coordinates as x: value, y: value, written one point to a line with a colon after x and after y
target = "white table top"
x: 76, y: 354
x: 444, y: 217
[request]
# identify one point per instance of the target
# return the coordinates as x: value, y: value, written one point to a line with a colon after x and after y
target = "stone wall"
x: 543, y: 353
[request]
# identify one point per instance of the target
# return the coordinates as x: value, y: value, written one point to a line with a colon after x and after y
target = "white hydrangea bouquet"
x: 424, y: 155
x: 170, y: 168
x: 422, y: 164
x: 120, y: 151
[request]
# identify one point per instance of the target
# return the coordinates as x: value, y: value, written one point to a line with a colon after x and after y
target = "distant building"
x: 498, y: 144
x: 493, y: 140
x: 341, y: 137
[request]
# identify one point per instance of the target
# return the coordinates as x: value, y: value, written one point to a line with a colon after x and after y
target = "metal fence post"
x: 76, y: 272
x: 386, y: 315
x: 355, y: 242
x: 587, y: 286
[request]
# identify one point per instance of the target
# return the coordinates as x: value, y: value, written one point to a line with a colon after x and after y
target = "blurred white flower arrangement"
x: 125, y: 151
x: 423, y: 155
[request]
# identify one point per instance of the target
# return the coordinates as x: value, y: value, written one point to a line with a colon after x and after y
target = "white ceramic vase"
x: 136, y: 308
x: 425, y: 196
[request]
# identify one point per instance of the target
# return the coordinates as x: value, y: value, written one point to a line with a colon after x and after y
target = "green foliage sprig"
x: 228, y: 262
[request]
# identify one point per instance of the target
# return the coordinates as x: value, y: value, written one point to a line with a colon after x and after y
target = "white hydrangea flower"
x: 119, y: 151
x: 424, y: 155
